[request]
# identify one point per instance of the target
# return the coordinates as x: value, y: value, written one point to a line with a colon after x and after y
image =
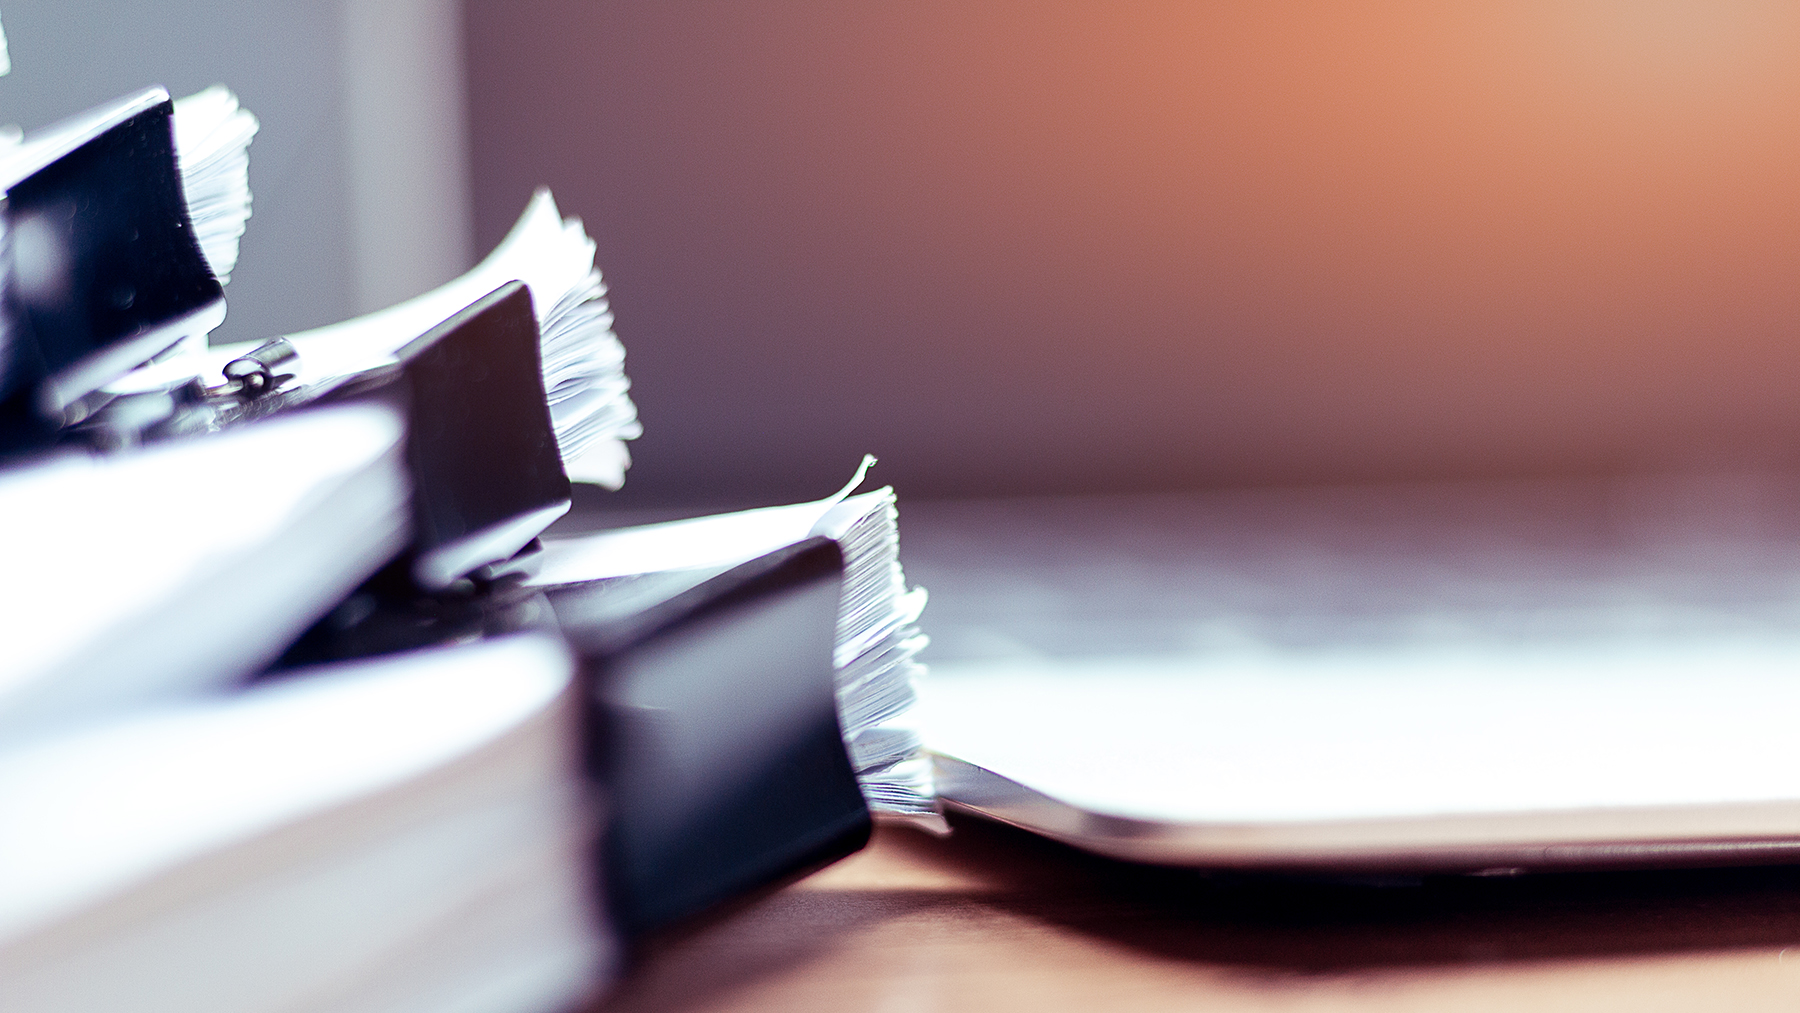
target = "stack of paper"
x: 406, y: 834
x: 413, y: 832
x: 188, y: 565
x: 584, y: 376
x: 212, y: 142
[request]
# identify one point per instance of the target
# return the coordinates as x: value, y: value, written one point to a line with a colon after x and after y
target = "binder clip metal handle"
x: 257, y: 371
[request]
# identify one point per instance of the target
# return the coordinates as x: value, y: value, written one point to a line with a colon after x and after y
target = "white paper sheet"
x: 1358, y: 735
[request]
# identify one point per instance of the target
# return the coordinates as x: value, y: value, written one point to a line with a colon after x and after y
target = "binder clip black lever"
x: 487, y: 479
x: 102, y: 270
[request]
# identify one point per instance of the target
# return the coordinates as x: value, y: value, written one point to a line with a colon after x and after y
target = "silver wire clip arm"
x: 259, y: 370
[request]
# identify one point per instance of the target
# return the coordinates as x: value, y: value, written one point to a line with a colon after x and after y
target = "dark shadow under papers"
x: 992, y: 882
x: 1305, y: 925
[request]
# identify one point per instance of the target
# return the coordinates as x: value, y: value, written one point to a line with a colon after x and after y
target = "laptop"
x: 1470, y: 677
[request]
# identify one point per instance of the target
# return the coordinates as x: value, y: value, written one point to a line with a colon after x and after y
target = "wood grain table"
x: 993, y: 919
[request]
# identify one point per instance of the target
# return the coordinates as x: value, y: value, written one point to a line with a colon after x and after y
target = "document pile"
x: 286, y: 721
x: 398, y: 834
x: 145, y: 575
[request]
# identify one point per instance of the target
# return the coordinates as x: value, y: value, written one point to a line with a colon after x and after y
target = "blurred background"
x: 1053, y: 246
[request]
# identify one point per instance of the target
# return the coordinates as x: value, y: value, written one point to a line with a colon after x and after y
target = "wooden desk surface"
x: 991, y: 919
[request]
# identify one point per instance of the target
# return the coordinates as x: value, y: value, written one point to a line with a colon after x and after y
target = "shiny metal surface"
x: 1492, y: 845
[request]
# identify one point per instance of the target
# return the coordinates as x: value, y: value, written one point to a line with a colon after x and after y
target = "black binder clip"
x: 487, y: 475
x: 103, y: 271
x: 487, y: 479
x: 715, y: 731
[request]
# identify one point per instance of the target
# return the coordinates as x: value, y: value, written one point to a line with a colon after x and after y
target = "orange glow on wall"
x: 1179, y: 242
